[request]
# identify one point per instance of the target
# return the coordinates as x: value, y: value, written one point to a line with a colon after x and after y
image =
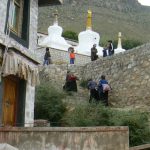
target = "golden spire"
x: 89, y: 20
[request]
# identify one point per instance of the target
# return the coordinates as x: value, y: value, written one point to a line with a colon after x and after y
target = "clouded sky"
x: 145, y: 2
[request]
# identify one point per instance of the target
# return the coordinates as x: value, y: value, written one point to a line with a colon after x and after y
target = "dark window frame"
x: 24, y: 39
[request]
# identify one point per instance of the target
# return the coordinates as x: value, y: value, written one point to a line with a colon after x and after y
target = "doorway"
x: 13, y: 101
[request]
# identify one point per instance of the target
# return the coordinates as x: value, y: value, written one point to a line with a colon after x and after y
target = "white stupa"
x: 54, y: 38
x: 119, y: 47
x: 88, y: 38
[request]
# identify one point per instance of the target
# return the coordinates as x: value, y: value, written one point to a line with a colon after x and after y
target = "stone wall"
x: 128, y: 74
x: 96, y: 138
x: 62, y: 57
x: 56, y: 74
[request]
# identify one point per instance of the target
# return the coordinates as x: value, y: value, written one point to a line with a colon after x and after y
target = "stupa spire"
x: 89, y: 20
x: 119, y: 40
x: 56, y: 17
x: 119, y: 47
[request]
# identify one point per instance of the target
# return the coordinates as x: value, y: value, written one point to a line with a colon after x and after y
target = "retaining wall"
x: 128, y: 74
x: 96, y: 138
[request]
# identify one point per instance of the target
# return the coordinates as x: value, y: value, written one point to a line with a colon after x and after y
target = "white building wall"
x: 29, y: 105
x: 3, y: 8
x: 30, y: 91
x: 33, y: 25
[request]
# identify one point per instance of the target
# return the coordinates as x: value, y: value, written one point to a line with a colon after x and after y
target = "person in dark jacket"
x: 103, y: 93
x: 110, y: 48
x: 105, y: 52
x: 94, y: 51
x: 47, y: 57
x: 92, y: 86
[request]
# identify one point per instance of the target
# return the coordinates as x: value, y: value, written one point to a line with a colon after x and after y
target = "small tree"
x: 48, y: 104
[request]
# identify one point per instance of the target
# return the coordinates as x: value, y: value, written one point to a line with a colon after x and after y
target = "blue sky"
x: 145, y: 2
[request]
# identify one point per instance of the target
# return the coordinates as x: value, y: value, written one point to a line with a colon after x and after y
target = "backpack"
x: 106, y: 87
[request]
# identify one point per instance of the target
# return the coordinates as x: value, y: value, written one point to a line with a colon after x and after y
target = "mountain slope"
x: 109, y: 17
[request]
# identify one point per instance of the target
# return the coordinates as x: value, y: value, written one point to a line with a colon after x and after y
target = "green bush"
x: 88, y: 115
x: 48, y: 104
x: 70, y: 35
x: 83, y: 83
x: 128, y: 44
x: 139, y: 131
x: 98, y: 115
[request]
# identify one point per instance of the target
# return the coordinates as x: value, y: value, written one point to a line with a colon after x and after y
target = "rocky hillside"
x: 109, y: 17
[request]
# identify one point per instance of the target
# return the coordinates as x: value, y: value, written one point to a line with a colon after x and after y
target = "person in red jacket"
x: 70, y: 84
x: 72, y: 55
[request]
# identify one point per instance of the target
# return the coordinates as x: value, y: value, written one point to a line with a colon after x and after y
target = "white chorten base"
x: 119, y: 50
x: 56, y: 43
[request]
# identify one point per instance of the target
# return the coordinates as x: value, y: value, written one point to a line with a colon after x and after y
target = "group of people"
x: 99, y: 92
x: 107, y: 51
x: 48, y: 60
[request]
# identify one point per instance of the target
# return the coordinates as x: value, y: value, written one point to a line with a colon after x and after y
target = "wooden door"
x: 10, y: 100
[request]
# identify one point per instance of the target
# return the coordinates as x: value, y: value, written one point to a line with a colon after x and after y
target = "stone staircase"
x: 77, y: 98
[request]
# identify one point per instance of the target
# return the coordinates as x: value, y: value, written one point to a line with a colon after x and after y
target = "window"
x: 15, y: 20
x: 15, y: 16
x: 18, y: 20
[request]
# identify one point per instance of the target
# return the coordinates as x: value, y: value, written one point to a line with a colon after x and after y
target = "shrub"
x: 128, y: 44
x: 48, y: 104
x: 98, y: 115
x: 84, y: 83
x: 139, y: 130
x: 88, y: 115
x: 70, y: 35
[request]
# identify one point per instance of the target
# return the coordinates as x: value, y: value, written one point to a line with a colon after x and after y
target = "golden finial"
x: 89, y: 20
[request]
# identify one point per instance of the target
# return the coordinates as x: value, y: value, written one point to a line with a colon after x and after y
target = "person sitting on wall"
x: 72, y: 55
x: 94, y: 52
x: 92, y: 86
x: 47, y: 57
